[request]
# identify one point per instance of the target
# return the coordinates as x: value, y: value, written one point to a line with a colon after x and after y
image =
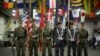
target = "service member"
x: 82, y: 40
x: 71, y: 38
x: 47, y: 36
x: 33, y: 40
x: 20, y: 34
x: 59, y: 40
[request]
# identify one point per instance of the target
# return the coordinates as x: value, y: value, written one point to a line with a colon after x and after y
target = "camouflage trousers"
x: 20, y: 48
x: 33, y: 44
x: 82, y: 47
x: 48, y: 46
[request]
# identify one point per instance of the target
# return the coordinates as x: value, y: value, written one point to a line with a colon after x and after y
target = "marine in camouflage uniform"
x: 20, y: 34
x: 47, y: 35
x: 33, y: 40
x: 82, y: 40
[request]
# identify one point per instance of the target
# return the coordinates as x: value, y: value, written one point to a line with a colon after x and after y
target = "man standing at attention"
x: 59, y: 40
x: 71, y: 38
x: 33, y: 40
x: 82, y: 40
x: 47, y: 36
x: 20, y: 34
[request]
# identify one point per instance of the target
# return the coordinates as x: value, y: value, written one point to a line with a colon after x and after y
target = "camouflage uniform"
x: 33, y: 41
x: 47, y: 35
x: 82, y: 42
x: 20, y: 34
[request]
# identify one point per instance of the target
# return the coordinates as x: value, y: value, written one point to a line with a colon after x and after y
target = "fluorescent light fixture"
x: 13, y: 11
x: 34, y: 10
x: 14, y: 0
x: 34, y: 13
x: 13, y: 14
x: 98, y: 13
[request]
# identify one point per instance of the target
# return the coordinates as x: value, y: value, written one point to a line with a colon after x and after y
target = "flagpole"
x: 30, y: 8
x: 56, y: 16
x: 68, y: 11
x: 68, y: 16
x: 30, y: 2
x: 42, y: 23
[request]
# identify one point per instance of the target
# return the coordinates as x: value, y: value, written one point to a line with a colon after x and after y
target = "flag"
x: 75, y: 13
x: 60, y: 3
x: 40, y: 4
x: 42, y: 15
x: 33, y: 3
x: 25, y: 3
x: 65, y: 5
x: 76, y: 3
x: 27, y: 23
x: 50, y: 18
x: 52, y: 4
x: 83, y: 14
x: 41, y: 25
x: 61, y: 8
x: 87, y: 6
x: 19, y: 4
x: 8, y: 4
x: 50, y: 15
x: 60, y: 12
x: 21, y: 11
x: 96, y: 4
x: 28, y: 26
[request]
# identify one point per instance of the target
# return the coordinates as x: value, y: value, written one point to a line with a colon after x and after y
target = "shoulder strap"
x: 71, y: 34
x: 60, y: 35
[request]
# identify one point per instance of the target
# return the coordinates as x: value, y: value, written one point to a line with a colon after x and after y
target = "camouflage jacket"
x: 20, y: 33
x: 83, y: 36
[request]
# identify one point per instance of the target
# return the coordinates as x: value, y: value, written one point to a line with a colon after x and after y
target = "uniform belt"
x: 21, y: 39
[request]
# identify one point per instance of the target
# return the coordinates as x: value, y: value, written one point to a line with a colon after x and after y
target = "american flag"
x: 27, y: 23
